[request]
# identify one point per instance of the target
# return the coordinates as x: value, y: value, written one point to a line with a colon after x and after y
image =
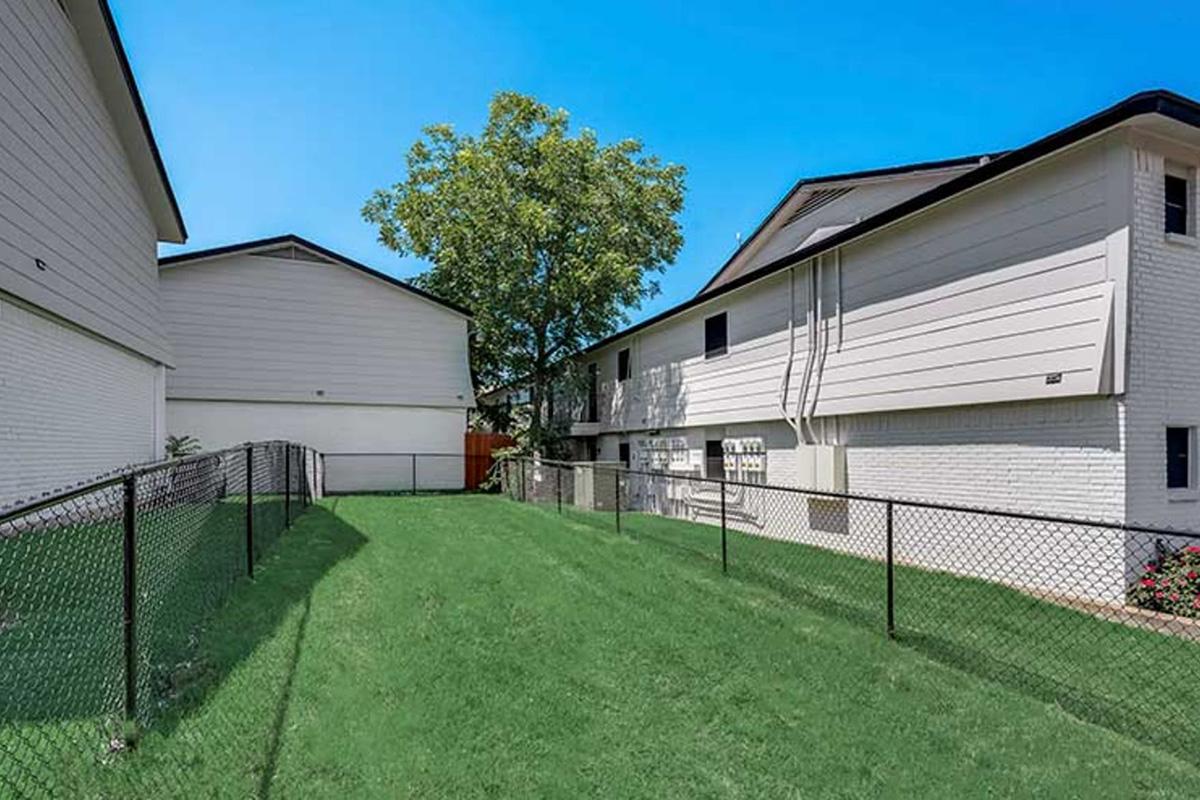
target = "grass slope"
x: 465, y: 647
x: 473, y: 647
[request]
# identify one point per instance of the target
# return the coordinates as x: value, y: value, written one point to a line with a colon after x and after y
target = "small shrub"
x: 1172, y: 586
x: 180, y: 446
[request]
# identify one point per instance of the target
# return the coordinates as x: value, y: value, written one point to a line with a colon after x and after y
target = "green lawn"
x: 469, y: 646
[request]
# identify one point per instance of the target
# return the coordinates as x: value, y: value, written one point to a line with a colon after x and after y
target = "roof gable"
x: 818, y: 204
x: 290, y: 246
x: 1156, y: 106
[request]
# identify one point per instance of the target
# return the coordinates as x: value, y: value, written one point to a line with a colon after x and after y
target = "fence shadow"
x: 284, y: 579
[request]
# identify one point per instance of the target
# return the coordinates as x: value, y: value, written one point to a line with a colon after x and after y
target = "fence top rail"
x: 895, y: 501
x: 408, y: 454
x: 123, y: 474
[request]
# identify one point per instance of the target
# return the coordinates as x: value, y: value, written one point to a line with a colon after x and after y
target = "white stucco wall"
x: 334, y: 428
x: 72, y: 405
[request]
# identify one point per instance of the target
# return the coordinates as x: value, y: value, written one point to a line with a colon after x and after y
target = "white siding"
x: 71, y: 406
x: 250, y: 327
x: 865, y: 197
x: 975, y: 301
x: 68, y: 196
x: 339, y: 428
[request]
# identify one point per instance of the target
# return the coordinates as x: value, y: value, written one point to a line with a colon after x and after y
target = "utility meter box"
x: 822, y: 467
x: 595, y: 485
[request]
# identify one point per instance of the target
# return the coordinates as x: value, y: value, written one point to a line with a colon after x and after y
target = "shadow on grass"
x: 1132, y: 682
x: 283, y: 579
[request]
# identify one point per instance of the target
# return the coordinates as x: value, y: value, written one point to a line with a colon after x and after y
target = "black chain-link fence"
x: 1100, y: 618
x: 404, y: 473
x: 105, y: 592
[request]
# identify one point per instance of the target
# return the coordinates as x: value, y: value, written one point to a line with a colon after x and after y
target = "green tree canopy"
x: 548, y: 238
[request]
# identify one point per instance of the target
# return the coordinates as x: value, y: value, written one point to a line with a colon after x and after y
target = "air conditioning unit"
x: 822, y: 467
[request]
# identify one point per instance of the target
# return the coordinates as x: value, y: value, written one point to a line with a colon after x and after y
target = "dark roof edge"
x: 866, y: 174
x: 136, y: 96
x: 291, y: 238
x: 1156, y: 101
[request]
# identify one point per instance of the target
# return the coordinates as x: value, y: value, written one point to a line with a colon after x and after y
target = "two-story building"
x: 84, y: 199
x: 1013, y: 330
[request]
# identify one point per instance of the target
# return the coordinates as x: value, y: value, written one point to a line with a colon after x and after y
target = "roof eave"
x: 1156, y: 101
x: 101, y: 42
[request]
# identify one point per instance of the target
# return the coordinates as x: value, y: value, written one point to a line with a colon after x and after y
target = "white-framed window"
x: 1179, y: 200
x: 1181, y: 466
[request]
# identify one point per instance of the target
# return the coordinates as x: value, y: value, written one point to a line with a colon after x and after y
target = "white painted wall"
x: 1030, y: 272
x: 68, y: 196
x: 978, y: 300
x: 82, y: 341
x: 1164, y: 356
x: 251, y: 327
x: 72, y: 406
x: 339, y: 428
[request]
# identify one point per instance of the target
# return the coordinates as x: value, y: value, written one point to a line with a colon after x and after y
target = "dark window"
x: 1179, y: 468
x: 623, y: 453
x: 714, y: 459
x: 593, y: 401
x: 1177, y: 204
x: 716, y: 335
x: 623, y: 364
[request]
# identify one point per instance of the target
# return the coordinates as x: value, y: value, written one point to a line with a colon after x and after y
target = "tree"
x: 548, y: 238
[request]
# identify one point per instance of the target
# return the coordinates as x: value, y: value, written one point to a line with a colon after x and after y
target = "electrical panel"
x: 822, y: 467
x: 663, y: 453
x: 745, y: 459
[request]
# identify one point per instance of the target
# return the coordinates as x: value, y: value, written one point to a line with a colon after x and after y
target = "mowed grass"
x: 471, y: 646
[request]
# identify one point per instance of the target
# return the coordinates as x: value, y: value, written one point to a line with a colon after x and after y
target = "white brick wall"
x: 71, y: 406
x: 1062, y: 457
x: 1164, y: 350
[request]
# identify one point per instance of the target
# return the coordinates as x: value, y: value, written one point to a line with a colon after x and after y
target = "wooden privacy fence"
x: 478, y: 448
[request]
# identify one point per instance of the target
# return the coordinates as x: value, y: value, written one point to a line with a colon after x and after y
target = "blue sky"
x: 281, y: 116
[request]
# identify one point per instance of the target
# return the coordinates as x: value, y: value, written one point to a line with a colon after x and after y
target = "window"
x: 593, y: 400
x: 714, y: 459
x: 623, y: 364
x: 623, y: 453
x: 716, y: 335
x: 1177, y: 189
x: 1179, y: 451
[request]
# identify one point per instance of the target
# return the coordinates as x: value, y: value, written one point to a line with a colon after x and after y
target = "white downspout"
x: 803, y: 438
x: 819, y: 369
x: 785, y: 381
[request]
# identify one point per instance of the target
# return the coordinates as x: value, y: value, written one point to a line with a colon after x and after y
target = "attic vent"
x: 817, y: 199
x: 293, y: 253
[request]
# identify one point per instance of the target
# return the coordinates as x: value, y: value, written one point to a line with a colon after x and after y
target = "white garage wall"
x: 71, y: 406
x: 339, y: 428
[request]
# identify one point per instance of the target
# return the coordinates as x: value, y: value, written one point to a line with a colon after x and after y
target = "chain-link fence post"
x: 891, y: 577
x: 724, y: 545
x: 617, y: 496
x: 250, y: 510
x: 130, y: 597
x: 558, y: 489
x: 414, y: 473
x: 287, y: 486
x: 522, y: 462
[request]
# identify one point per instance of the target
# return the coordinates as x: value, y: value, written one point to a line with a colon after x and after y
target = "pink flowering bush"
x: 1172, y: 586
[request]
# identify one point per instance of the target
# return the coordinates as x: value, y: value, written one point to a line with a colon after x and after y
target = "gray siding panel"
x: 1006, y: 293
x: 68, y: 196
x: 251, y: 327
